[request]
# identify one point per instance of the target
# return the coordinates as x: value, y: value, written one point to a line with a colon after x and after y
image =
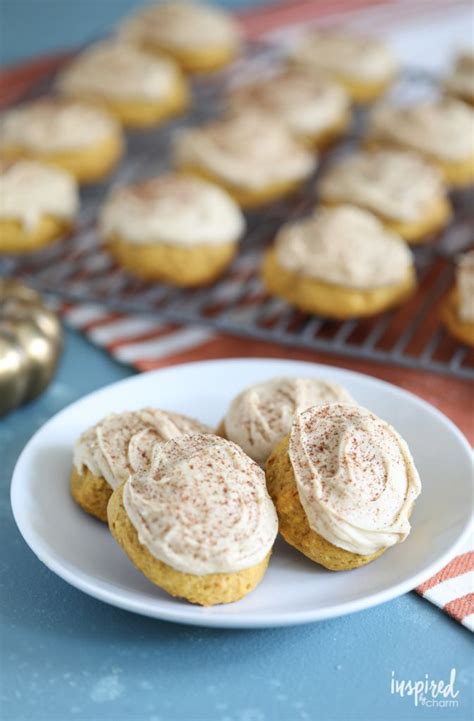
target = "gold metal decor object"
x: 31, y: 341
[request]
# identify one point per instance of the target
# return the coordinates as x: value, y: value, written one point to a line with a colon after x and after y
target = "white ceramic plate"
x: 294, y: 590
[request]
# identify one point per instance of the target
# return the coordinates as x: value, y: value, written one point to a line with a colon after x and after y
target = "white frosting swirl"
x: 30, y: 190
x: 346, y: 55
x: 306, y: 102
x: 179, y: 25
x: 120, y: 70
x: 346, y: 246
x: 53, y: 125
x: 261, y: 415
x: 203, y: 507
x: 460, y: 81
x: 355, y: 475
x: 442, y: 129
x: 247, y: 149
x: 465, y: 285
x: 395, y: 184
x: 122, y: 443
x: 172, y: 209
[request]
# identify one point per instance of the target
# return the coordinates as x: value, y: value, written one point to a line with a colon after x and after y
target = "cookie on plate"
x: 175, y: 228
x: 249, y: 153
x: 442, y: 130
x: 82, y: 139
x: 315, y: 108
x: 344, y: 483
x: 201, y: 38
x: 199, y: 523
x: 364, y: 66
x: 38, y: 205
x: 261, y: 415
x: 106, y: 453
x: 458, y: 308
x: 139, y: 89
x: 339, y: 263
x: 401, y: 188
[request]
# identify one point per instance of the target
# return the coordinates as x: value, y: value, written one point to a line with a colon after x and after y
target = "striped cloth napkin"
x: 145, y: 343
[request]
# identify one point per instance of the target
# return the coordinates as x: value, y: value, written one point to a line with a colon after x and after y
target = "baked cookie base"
x: 91, y: 493
x: 329, y: 300
x: 459, y: 329
x: 87, y: 165
x: 207, y: 590
x: 15, y: 238
x: 364, y: 91
x: 181, y: 266
x: 325, y: 138
x: 414, y: 232
x: 196, y: 60
x: 293, y: 523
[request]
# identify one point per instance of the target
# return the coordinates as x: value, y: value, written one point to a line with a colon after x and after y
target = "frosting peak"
x: 356, y: 478
x: 202, y: 507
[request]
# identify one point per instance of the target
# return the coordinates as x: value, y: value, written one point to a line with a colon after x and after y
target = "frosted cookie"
x: 121, y: 443
x: 344, y: 483
x: 405, y: 192
x: 460, y: 81
x: 315, y: 109
x: 139, y: 89
x: 442, y: 130
x: 174, y: 228
x: 38, y: 205
x: 261, y: 415
x: 199, y: 37
x: 339, y: 263
x: 199, y: 523
x: 458, y: 308
x: 365, y: 66
x: 250, y: 154
x: 79, y: 138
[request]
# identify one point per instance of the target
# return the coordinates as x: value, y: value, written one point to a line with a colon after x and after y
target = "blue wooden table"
x: 66, y: 656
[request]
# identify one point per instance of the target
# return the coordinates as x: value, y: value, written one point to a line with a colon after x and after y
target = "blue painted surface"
x: 67, y: 656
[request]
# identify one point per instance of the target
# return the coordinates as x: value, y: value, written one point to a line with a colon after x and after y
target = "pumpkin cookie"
x: 403, y: 190
x: 364, y: 66
x: 315, y: 109
x: 344, y: 484
x: 460, y: 81
x: 261, y: 415
x: 458, y: 309
x: 38, y: 205
x: 339, y: 263
x: 106, y: 454
x: 140, y: 90
x: 199, y: 523
x: 441, y: 130
x: 79, y: 138
x: 250, y: 154
x: 201, y: 38
x: 175, y: 228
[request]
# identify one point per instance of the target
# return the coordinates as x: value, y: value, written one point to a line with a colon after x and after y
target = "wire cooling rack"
x: 77, y: 269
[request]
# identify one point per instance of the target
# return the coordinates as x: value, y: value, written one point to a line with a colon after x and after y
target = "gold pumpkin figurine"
x: 30, y: 344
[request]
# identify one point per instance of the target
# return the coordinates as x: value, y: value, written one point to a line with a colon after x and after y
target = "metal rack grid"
x: 79, y: 270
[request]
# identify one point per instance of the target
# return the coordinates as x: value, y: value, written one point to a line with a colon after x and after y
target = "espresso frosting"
x: 465, y: 284
x: 247, y: 149
x: 461, y: 79
x: 202, y: 507
x: 442, y: 129
x: 53, y: 125
x: 346, y: 246
x: 355, y: 476
x: 122, y: 443
x: 395, y: 184
x: 346, y: 55
x: 31, y: 190
x: 172, y: 209
x: 307, y: 103
x: 182, y: 25
x: 260, y: 416
x: 120, y: 70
